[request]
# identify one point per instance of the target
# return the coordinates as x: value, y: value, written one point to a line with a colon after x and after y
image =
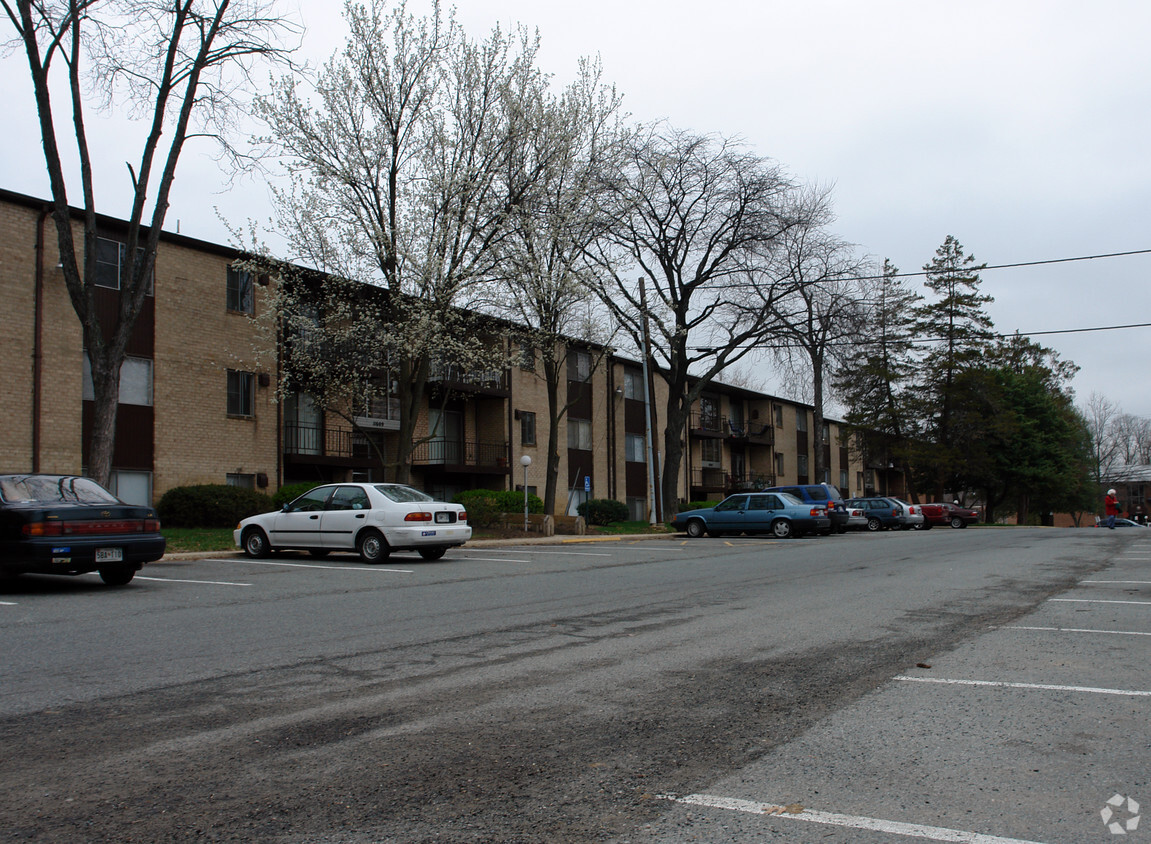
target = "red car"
x: 941, y: 513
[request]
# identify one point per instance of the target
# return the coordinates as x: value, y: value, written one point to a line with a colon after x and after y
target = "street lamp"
x: 525, y: 461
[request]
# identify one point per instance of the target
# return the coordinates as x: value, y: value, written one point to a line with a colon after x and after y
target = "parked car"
x: 856, y: 519
x: 370, y: 519
x: 1119, y: 522
x: 912, y: 518
x: 777, y: 513
x: 881, y: 513
x: 820, y: 495
x: 942, y: 513
x: 66, y: 524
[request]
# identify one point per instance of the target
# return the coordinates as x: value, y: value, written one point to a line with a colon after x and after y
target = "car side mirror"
x: 284, y: 509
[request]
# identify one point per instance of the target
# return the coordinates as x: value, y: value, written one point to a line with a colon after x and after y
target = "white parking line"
x: 1097, y: 601
x: 1041, y: 686
x: 799, y: 813
x: 1135, y: 582
x: 207, y: 582
x: 314, y: 566
x: 559, y: 553
x: 1080, y: 630
x: 8, y: 604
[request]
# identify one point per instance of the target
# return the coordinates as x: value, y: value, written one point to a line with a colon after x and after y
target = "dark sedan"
x: 777, y: 513
x: 65, y: 524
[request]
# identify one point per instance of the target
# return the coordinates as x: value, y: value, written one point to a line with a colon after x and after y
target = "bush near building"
x: 485, y: 506
x: 210, y: 506
x: 603, y: 511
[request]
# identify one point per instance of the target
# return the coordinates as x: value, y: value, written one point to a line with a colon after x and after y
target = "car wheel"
x: 924, y: 525
x: 873, y: 524
x: 781, y: 529
x: 372, y: 546
x: 695, y: 528
x: 319, y: 553
x: 117, y: 575
x: 255, y: 542
x: 432, y: 553
x: 956, y: 522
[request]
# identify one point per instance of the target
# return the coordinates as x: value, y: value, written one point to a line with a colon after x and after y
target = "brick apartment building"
x: 198, y: 399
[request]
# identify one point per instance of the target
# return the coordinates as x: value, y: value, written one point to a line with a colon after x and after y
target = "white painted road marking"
x: 1095, y: 601
x: 314, y: 566
x: 933, y: 833
x: 1080, y: 630
x: 1043, y: 686
x: 8, y: 604
x: 208, y: 582
x: 560, y: 553
x: 1135, y: 582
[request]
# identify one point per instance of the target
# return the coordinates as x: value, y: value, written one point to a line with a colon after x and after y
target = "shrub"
x: 485, y: 506
x: 210, y: 506
x: 603, y: 511
x: 290, y: 492
x: 696, y: 505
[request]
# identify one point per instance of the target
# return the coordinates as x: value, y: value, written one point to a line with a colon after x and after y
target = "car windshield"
x: 54, y: 489
x: 402, y: 494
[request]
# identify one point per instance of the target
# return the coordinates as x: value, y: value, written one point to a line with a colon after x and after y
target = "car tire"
x: 924, y: 525
x: 255, y: 542
x: 695, y: 528
x: 319, y: 553
x: 957, y: 522
x: 781, y: 529
x: 372, y: 546
x: 874, y: 525
x: 117, y: 575
x: 432, y: 553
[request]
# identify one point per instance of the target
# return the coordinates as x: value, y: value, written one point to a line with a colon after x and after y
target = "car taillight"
x: 43, y: 529
x: 91, y: 528
x: 418, y: 517
x: 462, y: 516
x: 895, y: 513
x: 911, y: 510
x: 817, y: 512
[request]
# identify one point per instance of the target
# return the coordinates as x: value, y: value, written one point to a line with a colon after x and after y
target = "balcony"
x: 749, y: 433
x: 317, y: 445
x: 708, y: 480
x: 456, y: 379
x: 460, y: 456
x: 707, y: 425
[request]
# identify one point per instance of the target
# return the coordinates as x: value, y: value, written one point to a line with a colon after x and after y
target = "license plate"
x: 109, y: 555
x: 427, y: 533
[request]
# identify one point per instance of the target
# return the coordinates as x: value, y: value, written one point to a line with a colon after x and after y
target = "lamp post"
x: 525, y: 461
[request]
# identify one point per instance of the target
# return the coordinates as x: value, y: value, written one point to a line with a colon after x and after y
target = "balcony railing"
x: 457, y: 377
x: 479, y: 455
x: 325, y: 442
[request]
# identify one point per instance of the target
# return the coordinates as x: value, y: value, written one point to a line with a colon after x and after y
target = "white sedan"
x: 370, y: 519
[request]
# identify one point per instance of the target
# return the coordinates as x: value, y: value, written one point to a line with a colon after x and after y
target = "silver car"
x: 912, y: 516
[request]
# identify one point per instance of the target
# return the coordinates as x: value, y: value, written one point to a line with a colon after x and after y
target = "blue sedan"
x: 778, y: 513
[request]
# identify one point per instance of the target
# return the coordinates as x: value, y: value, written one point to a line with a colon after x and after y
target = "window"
x: 241, y: 393
x: 778, y: 466
x: 777, y: 414
x: 527, y: 428
x: 132, y: 487
x: 527, y: 356
x: 350, y: 498
x: 579, y: 434
x: 135, y: 381
x: 801, y: 420
x: 826, y: 432
x: 801, y: 465
x: 579, y: 366
x: 711, y: 451
x: 633, y: 384
x: 241, y: 292
x: 111, y: 260
x: 240, y: 479
x: 634, y: 448
x: 637, y: 509
x: 843, y: 479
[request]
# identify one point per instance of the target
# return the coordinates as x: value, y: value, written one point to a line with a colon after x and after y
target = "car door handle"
x: 360, y: 515
x: 313, y: 517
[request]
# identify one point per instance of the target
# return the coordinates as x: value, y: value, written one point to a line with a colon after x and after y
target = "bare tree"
x: 182, y: 66
x: 399, y: 174
x: 1102, y: 417
x: 825, y: 315
x: 699, y: 220
x: 542, y: 283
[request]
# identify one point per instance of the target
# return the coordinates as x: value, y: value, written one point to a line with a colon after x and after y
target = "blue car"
x: 777, y: 513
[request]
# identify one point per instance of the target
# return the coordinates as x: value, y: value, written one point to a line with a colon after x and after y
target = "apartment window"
x: 527, y: 357
x: 132, y: 487
x: 241, y: 291
x: 634, y: 448
x: 579, y: 366
x: 826, y: 432
x: 711, y: 452
x: 777, y: 414
x: 633, y: 384
x: 637, y: 509
x: 779, y: 465
x: 527, y: 428
x: 801, y: 420
x: 243, y: 480
x: 241, y: 393
x: 111, y: 263
x: 843, y: 480
x: 801, y: 465
x: 579, y: 434
x: 135, y: 381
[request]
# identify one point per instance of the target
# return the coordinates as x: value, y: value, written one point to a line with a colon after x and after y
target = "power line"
x: 982, y: 267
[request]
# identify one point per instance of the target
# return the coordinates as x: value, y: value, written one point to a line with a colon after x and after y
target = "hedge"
x: 210, y: 506
x: 603, y: 511
x: 485, y: 506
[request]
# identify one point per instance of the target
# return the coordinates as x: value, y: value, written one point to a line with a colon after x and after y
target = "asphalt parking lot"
x: 1033, y: 731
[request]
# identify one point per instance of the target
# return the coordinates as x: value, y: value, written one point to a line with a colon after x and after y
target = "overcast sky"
x: 1018, y: 126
